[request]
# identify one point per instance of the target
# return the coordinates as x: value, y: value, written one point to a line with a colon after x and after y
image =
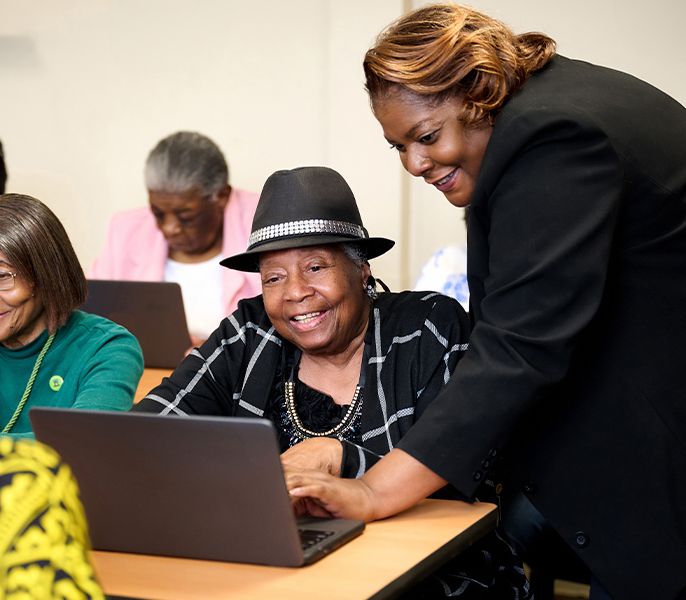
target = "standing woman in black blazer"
x: 575, y: 378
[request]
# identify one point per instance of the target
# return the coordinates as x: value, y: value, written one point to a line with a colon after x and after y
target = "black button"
x: 581, y: 539
x: 492, y: 453
x: 477, y: 475
x: 486, y: 464
x: 499, y: 488
x: 529, y: 487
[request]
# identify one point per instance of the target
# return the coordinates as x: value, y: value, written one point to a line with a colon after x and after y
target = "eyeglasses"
x: 7, y: 280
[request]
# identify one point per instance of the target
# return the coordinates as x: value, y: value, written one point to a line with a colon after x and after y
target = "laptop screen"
x: 151, y: 310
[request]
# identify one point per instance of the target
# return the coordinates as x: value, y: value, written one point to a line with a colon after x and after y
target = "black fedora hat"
x: 307, y: 206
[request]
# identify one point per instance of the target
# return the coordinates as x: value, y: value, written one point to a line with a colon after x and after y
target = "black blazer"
x: 576, y: 368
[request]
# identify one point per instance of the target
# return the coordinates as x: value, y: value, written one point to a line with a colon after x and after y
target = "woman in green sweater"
x: 50, y: 353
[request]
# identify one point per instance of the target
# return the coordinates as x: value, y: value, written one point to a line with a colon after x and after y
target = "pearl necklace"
x: 346, y: 421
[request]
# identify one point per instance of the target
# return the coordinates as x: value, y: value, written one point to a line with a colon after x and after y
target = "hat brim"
x: 249, y: 260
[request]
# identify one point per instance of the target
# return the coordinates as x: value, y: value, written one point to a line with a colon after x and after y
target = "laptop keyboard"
x: 310, y: 537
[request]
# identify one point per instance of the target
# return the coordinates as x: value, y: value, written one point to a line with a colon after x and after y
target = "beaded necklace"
x: 29, y: 384
x: 289, y: 392
x: 345, y: 422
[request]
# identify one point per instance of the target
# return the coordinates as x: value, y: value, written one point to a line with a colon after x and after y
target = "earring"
x: 370, y: 290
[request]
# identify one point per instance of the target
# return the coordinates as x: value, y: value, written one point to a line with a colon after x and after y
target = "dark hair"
x: 447, y: 50
x: 35, y: 243
x: 3, y: 171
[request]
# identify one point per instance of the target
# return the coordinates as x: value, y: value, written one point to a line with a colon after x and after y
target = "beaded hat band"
x: 305, y: 227
x: 308, y: 206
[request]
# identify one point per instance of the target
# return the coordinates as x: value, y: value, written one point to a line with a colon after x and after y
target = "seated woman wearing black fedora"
x: 341, y: 370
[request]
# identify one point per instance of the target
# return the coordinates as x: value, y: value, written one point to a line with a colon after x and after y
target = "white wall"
x: 87, y: 87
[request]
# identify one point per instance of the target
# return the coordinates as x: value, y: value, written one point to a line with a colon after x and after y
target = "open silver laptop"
x: 152, y: 310
x: 196, y: 487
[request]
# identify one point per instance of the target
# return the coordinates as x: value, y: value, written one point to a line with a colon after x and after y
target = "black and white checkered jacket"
x: 414, y: 339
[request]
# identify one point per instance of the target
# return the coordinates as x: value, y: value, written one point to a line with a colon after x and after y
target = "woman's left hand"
x: 314, y: 454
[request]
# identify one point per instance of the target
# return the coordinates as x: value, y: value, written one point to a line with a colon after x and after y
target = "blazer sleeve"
x: 546, y: 226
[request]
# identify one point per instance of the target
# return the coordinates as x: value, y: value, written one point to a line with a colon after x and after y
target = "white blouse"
x: 201, y: 285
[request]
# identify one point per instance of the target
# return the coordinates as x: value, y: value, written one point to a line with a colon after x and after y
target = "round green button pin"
x: 56, y: 383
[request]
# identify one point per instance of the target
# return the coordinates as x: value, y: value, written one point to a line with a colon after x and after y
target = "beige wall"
x: 89, y: 86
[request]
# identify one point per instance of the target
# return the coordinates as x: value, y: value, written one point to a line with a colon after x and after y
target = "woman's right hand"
x: 395, y: 483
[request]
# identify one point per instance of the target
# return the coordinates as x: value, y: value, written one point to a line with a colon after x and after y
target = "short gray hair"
x: 184, y: 161
x: 355, y: 252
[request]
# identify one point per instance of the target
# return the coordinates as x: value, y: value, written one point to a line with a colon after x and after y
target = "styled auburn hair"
x: 35, y: 243
x: 447, y: 50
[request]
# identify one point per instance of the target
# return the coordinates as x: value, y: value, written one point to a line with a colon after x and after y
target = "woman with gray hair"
x: 50, y: 353
x: 194, y: 218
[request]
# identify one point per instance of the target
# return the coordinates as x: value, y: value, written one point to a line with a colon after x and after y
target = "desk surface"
x: 149, y: 379
x: 388, y: 556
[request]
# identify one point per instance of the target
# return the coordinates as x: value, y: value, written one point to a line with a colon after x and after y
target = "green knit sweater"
x: 93, y: 363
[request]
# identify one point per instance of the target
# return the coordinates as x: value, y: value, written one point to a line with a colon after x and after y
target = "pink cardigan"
x: 135, y: 248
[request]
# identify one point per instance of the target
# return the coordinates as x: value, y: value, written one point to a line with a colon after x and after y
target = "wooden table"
x: 149, y: 379
x: 389, y: 555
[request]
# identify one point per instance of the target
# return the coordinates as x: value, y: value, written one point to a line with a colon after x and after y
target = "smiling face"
x: 432, y: 142
x: 22, y: 318
x: 192, y: 224
x: 315, y: 297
